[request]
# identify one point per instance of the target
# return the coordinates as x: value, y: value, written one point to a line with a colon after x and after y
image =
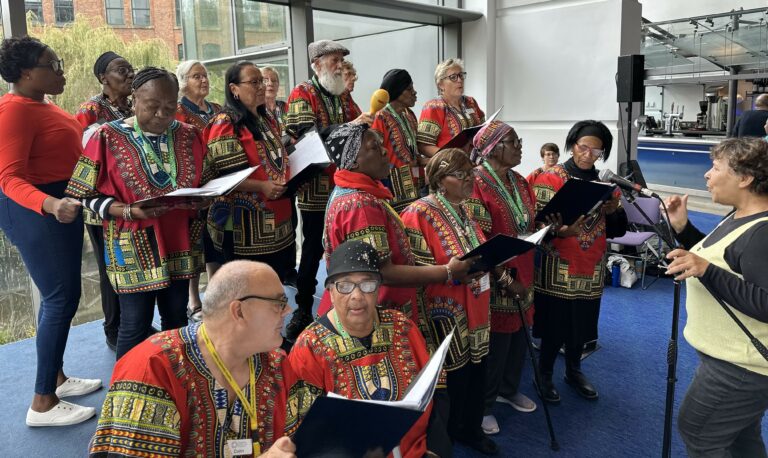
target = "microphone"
x: 606, y: 175
x: 379, y: 100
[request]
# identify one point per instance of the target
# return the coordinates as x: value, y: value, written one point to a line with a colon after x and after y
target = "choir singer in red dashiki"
x: 503, y: 203
x: 359, y: 209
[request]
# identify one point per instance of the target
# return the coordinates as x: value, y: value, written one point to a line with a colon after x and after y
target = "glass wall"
x: 378, y: 45
x: 216, y: 74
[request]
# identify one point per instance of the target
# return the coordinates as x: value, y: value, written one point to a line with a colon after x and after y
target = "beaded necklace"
x: 522, y: 216
x: 462, y: 224
x: 163, y: 171
x: 410, y: 136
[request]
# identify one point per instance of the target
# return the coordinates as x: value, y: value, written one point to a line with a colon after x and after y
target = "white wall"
x: 555, y: 64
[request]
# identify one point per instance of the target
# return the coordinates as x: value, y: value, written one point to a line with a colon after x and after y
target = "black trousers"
x: 561, y: 321
x: 110, y: 301
x: 505, y: 365
x: 281, y: 261
x: 722, y: 412
x: 312, y: 224
x: 466, y: 390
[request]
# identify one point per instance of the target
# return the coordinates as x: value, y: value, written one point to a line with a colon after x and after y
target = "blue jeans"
x: 138, y: 309
x: 723, y: 410
x: 52, y: 253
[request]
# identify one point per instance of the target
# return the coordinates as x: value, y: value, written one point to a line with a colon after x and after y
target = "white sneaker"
x: 77, y: 387
x: 490, y: 425
x: 519, y: 402
x: 64, y: 413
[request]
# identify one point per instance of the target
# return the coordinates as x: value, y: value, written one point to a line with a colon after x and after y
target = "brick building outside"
x: 143, y: 19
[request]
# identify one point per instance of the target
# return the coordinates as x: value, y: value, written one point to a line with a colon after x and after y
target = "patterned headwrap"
x: 344, y: 142
x: 487, y: 139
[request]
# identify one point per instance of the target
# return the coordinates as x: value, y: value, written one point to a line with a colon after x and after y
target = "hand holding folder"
x: 367, y: 425
x: 502, y: 248
x: 214, y: 188
x: 308, y: 159
x: 576, y: 198
x: 467, y: 135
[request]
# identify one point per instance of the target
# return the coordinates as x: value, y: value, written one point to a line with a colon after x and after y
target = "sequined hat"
x: 353, y: 256
x: 319, y: 48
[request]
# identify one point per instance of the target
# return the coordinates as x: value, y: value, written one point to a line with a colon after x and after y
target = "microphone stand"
x: 665, y: 234
x: 537, y: 377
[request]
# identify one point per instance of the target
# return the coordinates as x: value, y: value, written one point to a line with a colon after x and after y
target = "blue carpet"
x: 629, y: 371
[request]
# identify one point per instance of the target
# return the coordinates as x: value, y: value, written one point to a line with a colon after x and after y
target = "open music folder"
x: 308, y: 158
x: 577, y: 197
x: 362, y: 425
x: 466, y: 135
x: 502, y: 248
x: 214, y: 188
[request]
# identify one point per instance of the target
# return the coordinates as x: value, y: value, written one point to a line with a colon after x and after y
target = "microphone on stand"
x: 608, y: 176
x: 379, y: 100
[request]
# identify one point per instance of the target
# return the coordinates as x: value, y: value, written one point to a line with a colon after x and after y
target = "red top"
x: 41, y: 144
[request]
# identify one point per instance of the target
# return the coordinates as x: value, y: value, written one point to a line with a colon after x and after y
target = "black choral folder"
x: 577, y: 197
x: 468, y: 134
x: 348, y: 428
x: 501, y: 248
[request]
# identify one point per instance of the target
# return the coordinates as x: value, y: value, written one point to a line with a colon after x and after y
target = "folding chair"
x: 638, y: 238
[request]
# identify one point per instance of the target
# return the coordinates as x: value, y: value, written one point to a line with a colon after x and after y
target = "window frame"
x: 57, y: 7
x: 148, y: 9
x: 108, y: 8
x: 38, y: 6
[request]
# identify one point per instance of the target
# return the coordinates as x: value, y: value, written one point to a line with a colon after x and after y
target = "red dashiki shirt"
x: 326, y: 361
x: 406, y: 176
x: 310, y: 105
x: 163, y: 401
x: 144, y: 255
x: 98, y: 110
x: 188, y: 112
x: 261, y: 225
x: 495, y: 213
x: 355, y: 214
x: 440, y: 122
x: 571, y: 267
x: 436, y: 237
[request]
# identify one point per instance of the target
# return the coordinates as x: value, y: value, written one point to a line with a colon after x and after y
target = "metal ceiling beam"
x: 707, y: 16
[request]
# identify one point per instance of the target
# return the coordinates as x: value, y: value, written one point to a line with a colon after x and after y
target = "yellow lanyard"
x: 249, y: 406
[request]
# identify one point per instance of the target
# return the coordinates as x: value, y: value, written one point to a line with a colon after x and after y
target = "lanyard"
x: 169, y: 169
x: 521, y: 215
x: 340, y: 327
x: 409, y: 135
x: 249, y: 406
x: 466, y: 224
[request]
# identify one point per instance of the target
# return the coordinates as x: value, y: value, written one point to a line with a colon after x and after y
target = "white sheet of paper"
x: 309, y: 150
x: 538, y: 236
x: 218, y: 186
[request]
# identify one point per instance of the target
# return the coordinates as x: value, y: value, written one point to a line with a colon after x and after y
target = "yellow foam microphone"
x: 379, y: 100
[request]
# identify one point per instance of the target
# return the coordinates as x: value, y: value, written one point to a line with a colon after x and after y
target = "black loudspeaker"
x: 629, y: 78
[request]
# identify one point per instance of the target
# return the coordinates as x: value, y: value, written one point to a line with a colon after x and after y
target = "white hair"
x: 182, y: 71
x: 442, y: 68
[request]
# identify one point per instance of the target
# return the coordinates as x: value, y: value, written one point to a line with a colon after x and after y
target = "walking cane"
x: 537, y: 376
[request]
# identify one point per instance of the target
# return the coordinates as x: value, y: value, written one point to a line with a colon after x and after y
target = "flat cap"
x: 320, y: 48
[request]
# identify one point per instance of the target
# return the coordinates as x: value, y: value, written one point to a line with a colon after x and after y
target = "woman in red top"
x: 444, y: 117
x: 254, y: 221
x: 41, y: 144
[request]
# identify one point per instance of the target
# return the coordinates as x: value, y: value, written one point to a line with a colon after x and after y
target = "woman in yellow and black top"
x: 723, y: 409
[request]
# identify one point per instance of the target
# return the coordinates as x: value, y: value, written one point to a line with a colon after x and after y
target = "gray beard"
x: 331, y: 83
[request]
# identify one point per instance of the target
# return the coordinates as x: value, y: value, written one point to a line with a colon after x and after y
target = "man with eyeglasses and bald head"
x: 222, y: 387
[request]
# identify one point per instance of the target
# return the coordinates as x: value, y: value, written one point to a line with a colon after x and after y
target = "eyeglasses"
x: 462, y: 174
x: 456, y: 76
x: 366, y: 286
x: 255, y: 83
x: 513, y: 144
x: 198, y: 76
x: 282, y: 303
x: 123, y: 71
x: 55, y: 65
x: 598, y: 153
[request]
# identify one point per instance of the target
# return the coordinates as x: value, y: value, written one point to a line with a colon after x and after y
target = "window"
x: 180, y: 51
x: 211, y: 51
x: 114, y: 12
x: 251, y: 15
x: 276, y: 15
x: 209, y: 13
x: 140, y: 12
x: 63, y: 11
x: 260, y: 24
x: 36, y: 6
x: 178, y: 13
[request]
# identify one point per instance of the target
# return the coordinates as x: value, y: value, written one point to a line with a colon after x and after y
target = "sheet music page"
x: 309, y: 150
x: 218, y: 186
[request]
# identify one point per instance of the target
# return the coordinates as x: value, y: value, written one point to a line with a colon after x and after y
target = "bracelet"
x: 127, y: 212
x: 450, y: 274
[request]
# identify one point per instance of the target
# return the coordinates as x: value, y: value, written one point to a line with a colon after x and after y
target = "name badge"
x: 415, y: 172
x: 470, y: 111
x: 485, y: 283
x: 240, y: 446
